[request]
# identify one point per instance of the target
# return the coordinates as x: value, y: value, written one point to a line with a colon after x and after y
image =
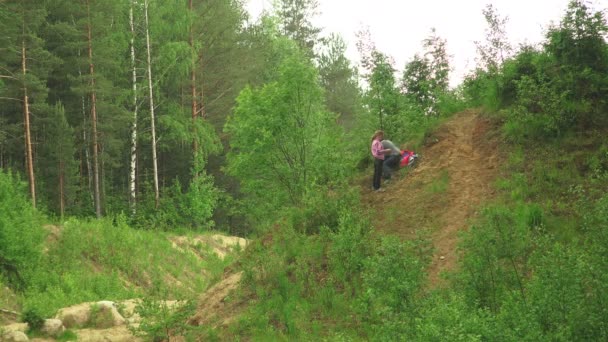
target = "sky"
x: 399, y: 26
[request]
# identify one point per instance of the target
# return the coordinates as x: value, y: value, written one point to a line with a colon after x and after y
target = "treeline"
x: 120, y: 106
x: 110, y: 101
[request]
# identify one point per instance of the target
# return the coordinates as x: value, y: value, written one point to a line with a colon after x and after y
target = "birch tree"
x: 133, y: 161
x: 151, y: 101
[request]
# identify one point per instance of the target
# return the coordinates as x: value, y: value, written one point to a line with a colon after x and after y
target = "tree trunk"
x: 61, y: 189
x: 26, y: 121
x: 193, y: 79
x: 85, y: 139
x: 93, y: 115
x: 132, y: 190
x: 152, y: 120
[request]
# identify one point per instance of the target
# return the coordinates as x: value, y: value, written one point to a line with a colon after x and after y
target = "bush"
x: 33, y: 318
x: 21, y: 232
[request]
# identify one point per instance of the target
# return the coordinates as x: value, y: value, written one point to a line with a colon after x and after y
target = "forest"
x: 130, y: 126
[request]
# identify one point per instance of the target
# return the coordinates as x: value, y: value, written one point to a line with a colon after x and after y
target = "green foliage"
x: 190, y: 208
x: 383, y: 98
x: 338, y: 78
x: 161, y: 320
x: 497, y: 253
x: 93, y: 260
x: 391, y: 280
x: 282, y: 137
x: 446, y: 316
x: 295, y: 18
x: 21, y: 232
x: 495, y: 50
x: 58, y: 162
x: 321, y: 208
x: 33, y: 318
x: 547, y: 91
x: 350, y: 247
x: 540, y: 112
x: 439, y: 185
x: 67, y: 335
x: 580, y: 51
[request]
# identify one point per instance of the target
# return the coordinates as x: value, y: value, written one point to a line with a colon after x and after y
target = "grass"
x: 105, y: 259
x: 440, y: 184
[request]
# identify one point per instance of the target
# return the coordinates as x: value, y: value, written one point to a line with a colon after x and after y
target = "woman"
x: 378, y: 152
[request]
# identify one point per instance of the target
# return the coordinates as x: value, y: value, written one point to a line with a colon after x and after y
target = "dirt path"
x: 456, y: 174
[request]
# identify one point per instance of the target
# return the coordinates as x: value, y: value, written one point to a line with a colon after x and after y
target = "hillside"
x: 455, y: 176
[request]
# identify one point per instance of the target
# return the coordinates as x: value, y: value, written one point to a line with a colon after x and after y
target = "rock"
x: 15, y: 336
x: 15, y: 327
x: 100, y: 315
x: 105, y: 315
x: 75, y: 316
x: 441, y: 257
x: 53, y: 327
x: 116, y: 334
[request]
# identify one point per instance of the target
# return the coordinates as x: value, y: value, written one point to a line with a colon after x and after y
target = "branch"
x: 10, y: 312
x: 10, y: 98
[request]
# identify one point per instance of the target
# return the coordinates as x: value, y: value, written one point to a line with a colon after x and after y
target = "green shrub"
x: 21, y: 232
x: 391, y: 281
x: 160, y: 321
x: 497, y: 250
x: 34, y: 318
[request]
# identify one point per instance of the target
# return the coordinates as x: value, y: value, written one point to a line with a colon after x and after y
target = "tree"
x: 496, y: 48
x: 57, y: 159
x: 278, y: 136
x: 366, y: 48
x: 93, y: 94
x: 151, y: 101
x: 580, y: 52
x: 133, y: 164
x: 295, y: 22
x: 24, y: 80
x: 415, y: 82
x: 438, y: 62
x: 339, y: 79
x: 426, y: 78
x: 382, y: 96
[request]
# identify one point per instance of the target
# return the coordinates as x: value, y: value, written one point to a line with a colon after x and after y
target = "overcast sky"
x: 399, y: 26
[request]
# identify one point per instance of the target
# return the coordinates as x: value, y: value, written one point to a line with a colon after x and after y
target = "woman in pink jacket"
x: 378, y: 152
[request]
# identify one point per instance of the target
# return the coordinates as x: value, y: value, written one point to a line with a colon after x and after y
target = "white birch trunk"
x: 152, y: 120
x: 132, y: 191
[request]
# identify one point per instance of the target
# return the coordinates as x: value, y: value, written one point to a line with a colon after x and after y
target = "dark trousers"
x: 377, y: 173
x: 391, y: 163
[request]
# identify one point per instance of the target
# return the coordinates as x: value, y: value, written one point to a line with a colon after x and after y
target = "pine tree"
x: 57, y: 159
x: 295, y: 18
x: 339, y: 79
x: 24, y: 68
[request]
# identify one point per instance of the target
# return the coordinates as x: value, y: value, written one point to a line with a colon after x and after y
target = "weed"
x: 440, y: 185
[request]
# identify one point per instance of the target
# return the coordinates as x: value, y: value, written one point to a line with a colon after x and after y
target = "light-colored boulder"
x: 116, y: 334
x: 75, y: 316
x: 105, y: 315
x: 15, y: 336
x: 100, y: 315
x: 15, y: 327
x: 53, y: 327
